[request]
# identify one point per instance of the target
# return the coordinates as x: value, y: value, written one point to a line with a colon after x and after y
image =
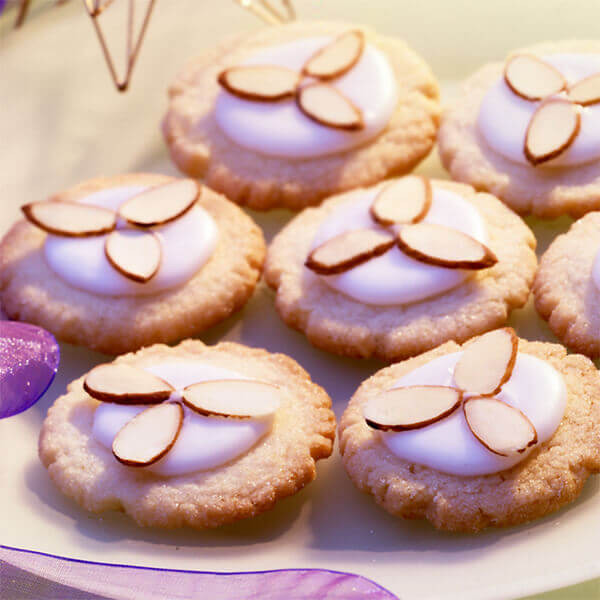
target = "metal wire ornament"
x: 264, y: 9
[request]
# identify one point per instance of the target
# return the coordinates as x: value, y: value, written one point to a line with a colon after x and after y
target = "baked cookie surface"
x: 545, y: 191
x: 335, y: 322
x: 551, y: 475
x: 30, y: 290
x: 200, y: 148
x: 279, y: 463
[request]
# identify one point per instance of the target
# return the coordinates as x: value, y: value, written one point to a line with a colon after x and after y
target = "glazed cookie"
x: 567, y: 283
x: 193, y: 436
x: 294, y: 113
x: 118, y: 263
x: 496, y: 433
x: 528, y: 130
x: 399, y: 268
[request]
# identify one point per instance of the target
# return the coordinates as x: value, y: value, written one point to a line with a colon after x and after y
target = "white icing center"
x: 504, y: 116
x: 394, y: 278
x: 203, y: 442
x: 596, y: 270
x: 186, y: 243
x: 535, y: 388
x: 281, y: 129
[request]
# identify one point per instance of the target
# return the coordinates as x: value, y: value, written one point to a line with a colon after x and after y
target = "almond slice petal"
x: 406, y: 200
x: 552, y: 129
x: 327, y: 106
x: 238, y: 398
x: 124, y: 384
x: 487, y: 363
x: 444, y: 247
x: 135, y: 254
x: 501, y: 428
x: 348, y: 250
x: 336, y: 58
x: 411, y: 407
x: 149, y: 435
x: 532, y: 78
x: 263, y: 83
x: 161, y: 204
x: 585, y: 91
x: 70, y: 219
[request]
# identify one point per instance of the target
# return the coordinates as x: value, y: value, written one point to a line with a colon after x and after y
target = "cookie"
x: 195, y: 435
x: 175, y: 260
x: 566, y: 286
x: 294, y: 113
x: 474, y: 461
x: 493, y: 135
x: 392, y: 303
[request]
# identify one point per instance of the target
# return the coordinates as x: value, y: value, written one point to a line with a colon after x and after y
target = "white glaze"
x: 504, y: 116
x: 203, y: 442
x: 596, y: 270
x: 281, y: 129
x: 187, y: 243
x: 535, y: 388
x: 394, y: 278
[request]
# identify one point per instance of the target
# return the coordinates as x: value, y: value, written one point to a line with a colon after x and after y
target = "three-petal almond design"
x: 130, y: 247
x: 397, y: 213
x: 319, y: 100
x: 484, y: 367
x: 555, y: 124
x: 150, y: 434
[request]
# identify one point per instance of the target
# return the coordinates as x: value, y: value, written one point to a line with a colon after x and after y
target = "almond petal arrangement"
x: 150, y: 434
x: 397, y: 212
x: 130, y: 248
x: 484, y: 367
x: 555, y: 124
x: 318, y: 100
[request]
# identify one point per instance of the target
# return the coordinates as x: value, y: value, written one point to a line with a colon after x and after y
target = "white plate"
x: 61, y: 121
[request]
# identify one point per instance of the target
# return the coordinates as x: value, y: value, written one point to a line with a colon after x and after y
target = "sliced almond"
x: 348, y: 250
x: 586, y: 91
x: 444, y: 247
x: 70, y: 219
x: 552, y: 129
x: 327, y: 106
x: 149, y: 435
x: 336, y: 58
x: 124, y: 384
x: 411, y: 407
x: 135, y: 254
x: 487, y: 363
x: 532, y: 78
x: 406, y: 200
x: 502, y: 429
x: 263, y: 83
x: 239, y: 398
x: 161, y: 204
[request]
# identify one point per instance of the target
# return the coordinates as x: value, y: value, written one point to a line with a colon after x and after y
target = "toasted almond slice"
x: 444, y: 247
x: 502, y: 429
x: 262, y: 83
x: 70, y: 219
x: 149, y: 435
x: 348, y: 250
x: 586, y: 91
x: 124, y: 384
x: 406, y: 200
x: 411, y: 407
x: 161, y: 204
x: 239, y: 398
x: 552, y: 129
x: 135, y: 254
x: 336, y: 58
x: 487, y: 363
x: 532, y: 78
x: 327, y: 106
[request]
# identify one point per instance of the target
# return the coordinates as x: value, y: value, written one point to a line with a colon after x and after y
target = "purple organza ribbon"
x: 123, y: 582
